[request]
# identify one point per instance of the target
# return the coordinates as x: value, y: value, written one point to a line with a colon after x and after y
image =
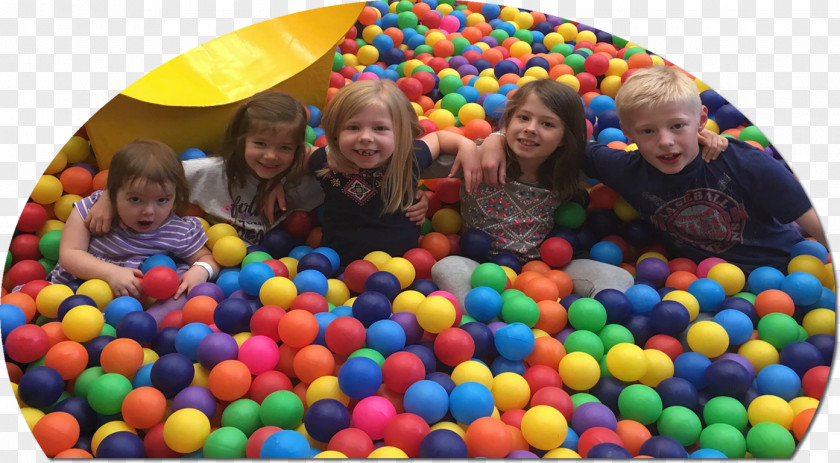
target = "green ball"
x: 448, y: 2
x: 499, y: 34
x: 242, y: 414
x: 521, y: 309
x: 778, y: 329
x: 338, y: 62
x: 570, y: 214
x: 48, y: 264
x: 511, y: 293
x: 581, y: 398
x: 745, y: 295
x: 282, y: 409
x: 460, y: 43
x: 310, y: 135
x: 423, y: 49
x: 726, y: 410
x: 466, y: 319
x: 422, y: 68
x: 369, y: 353
x: 613, y: 334
x: 587, y: 314
x: 422, y: 30
x: 360, y: 42
x: 753, y: 133
x: 575, y: 62
x: 803, y: 333
x: 48, y: 244
x: 640, y: 403
x: 38, y: 363
x: 401, y: 69
x: 489, y: 274
x: 619, y: 42
x: 107, y: 393
x: 426, y: 227
x: 679, y: 423
x: 632, y: 51
x: 406, y: 19
x: 770, y: 440
x: 256, y: 256
x: 448, y: 85
x: 724, y: 438
x: 563, y: 48
x: 584, y: 341
x: 8, y: 262
x: 225, y: 442
x: 41, y: 320
x: 108, y: 330
x: 524, y: 35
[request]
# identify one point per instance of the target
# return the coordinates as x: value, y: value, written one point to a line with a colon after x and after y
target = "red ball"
x: 453, y: 346
x: 588, y: 82
x: 32, y: 218
x: 27, y: 343
x: 160, y: 282
x: 32, y: 288
x: 348, y: 46
x: 405, y: 431
x: 402, y: 369
x: 814, y: 380
x: 345, y: 335
x: 26, y: 271
x: 257, y: 439
x: 594, y: 436
x: 540, y: 376
x: 670, y: 345
x: 449, y: 190
x: 434, y: 203
x: 682, y: 263
x: 348, y: 71
x: 432, y: 20
x: 422, y: 261
x: 298, y: 224
x: 174, y: 318
x: 554, y: 397
x: 280, y: 269
x: 25, y: 247
x: 155, y: 446
x: 357, y: 272
x: 596, y: 64
x: 265, y: 319
x: 556, y: 252
x: 426, y: 78
x: 337, y: 80
x: 412, y: 88
x: 429, y: 126
x: 309, y: 301
x: 352, y: 442
x: 267, y: 382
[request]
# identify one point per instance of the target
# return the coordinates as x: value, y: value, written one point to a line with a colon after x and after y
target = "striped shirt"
x: 178, y: 237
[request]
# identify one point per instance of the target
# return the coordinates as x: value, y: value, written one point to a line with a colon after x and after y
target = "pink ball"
x: 451, y: 298
x: 516, y: 61
x: 259, y: 353
x: 367, y: 76
x: 160, y: 282
x: 372, y: 415
x: 706, y: 264
x: 450, y: 23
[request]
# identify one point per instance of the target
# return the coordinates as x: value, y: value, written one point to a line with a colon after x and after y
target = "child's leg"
x: 452, y: 274
x: 591, y: 276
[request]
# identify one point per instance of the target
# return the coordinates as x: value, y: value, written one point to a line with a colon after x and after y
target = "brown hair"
x: 397, y: 183
x: 148, y: 161
x: 265, y: 110
x: 652, y: 87
x: 561, y: 171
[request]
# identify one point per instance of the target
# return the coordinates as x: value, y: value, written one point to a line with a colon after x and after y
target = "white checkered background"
x: 61, y: 62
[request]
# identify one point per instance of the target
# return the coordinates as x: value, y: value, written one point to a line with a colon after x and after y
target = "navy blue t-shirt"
x: 738, y: 207
x: 353, y: 222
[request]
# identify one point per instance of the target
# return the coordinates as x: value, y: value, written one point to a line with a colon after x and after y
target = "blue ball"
x: 164, y: 342
x: 616, y: 303
x: 729, y: 378
x: 692, y: 367
x: 393, y: 56
x: 711, y: 454
x: 385, y: 283
x: 507, y: 88
x: 75, y: 301
x: 475, y: 244
x: 607, y: 390
x: 601, y: 103
x: 299, y: 251
x: 608, y: 450
x: 285, y: 444
x: 606, y: 252
x: 335, y: 260
x: 139, y: 326
x: 324, y: 418
x: 315, y: 113
x: 381, y: 42
x: 801, y: 356
x: 728, y: 117
x: 278, y: 242
x: 514, y: 341
x: 827, y: 300
x: 324, y: 319
x: 737, y: 324
x: 40, y: 387
x: 483, y: 303
x: 506, y: 67
x: 538, y: 61
x: 669, y: 317
x: 253, y: 275
x: 228, y: 281
x: 741, y: 305
x: 171, y: 373
x: 94, y: 349
x: 502, y: 365
x: 712, y: 100
x: 676, y: 391
x: 188, y: 337
x: 490, y: 11
x: 802, y: 287
x: 426, y: 399
x: 311, y: 281
x: 663, y: 447
x: 509, y: 260
x: 810, y: 247
x: 423, y: 286
x: 639, y: 326
x: 425, y: 354
x: 157, y: 260
x: 469, y: 93
x: 80, y: 409
x: 494, y: 104
x: 143, y: 377
x: 642, y: 298
x: 371, y: 306
x: 316, y: 261
x: 778, y: 380
x: 506, y: 26
x: 342, y: 311
x: 359, y: 377
x: 443, y: 443
x: 121, y: 444
x: 482, y: 337
x: 608, y: 118
x: 11, y: 317
x: 118, y: 307
x: 764, y: 278
x: 385, y: 337
x: 233, y: 315
x: 469, y: 401
x: 709, y: 294
x: 825, y: 344
x: 192, y: 153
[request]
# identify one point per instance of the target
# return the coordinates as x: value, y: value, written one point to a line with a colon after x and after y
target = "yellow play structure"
x: 187, y: 101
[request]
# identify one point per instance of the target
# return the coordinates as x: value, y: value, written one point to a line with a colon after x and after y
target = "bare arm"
x: 278, y: 194
x: 810, y: 223
x: 466, y: 159
x: 75, y: 258
x: 196, y: 275
x: 492, y: 153
x: 417, y: 212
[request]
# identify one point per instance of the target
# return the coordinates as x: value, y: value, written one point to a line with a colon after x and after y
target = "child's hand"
x: 468, y: 160
x: 417, y: 212
x: 191, y: 278
x: 275, y: 196
x: 100, y: 216
x: 341, y: 165
x: 712, y: 143
x: 492, y: 154
x: 124, y: 282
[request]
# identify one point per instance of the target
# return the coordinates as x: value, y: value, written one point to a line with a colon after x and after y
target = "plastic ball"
x: 579, y: 371
x: 707, y: 338
x: 453, y: 346
x: 107, y: 393
x: 427, y: 399
x: 556, y: 252
x: 803, y: 288
x: 359, y: 377
x: 171, y: 373
x: 662, y: 447
x: 324, y: 418
x: 514, y: 341
x: 587, y: 314
x: 82, y: 323
x: 770, y: 440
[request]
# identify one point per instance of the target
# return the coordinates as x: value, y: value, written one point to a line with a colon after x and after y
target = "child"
x: 370, y: 168
x: 740, y: 208
x: 145, y: 184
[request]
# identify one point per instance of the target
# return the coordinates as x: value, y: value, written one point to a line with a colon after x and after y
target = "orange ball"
x: 123, y: 356
x: 143, y: 407
x: 536, y: 266
x: 524, y: 277
x: 472, y: 33
x: 286, y: 363
x: 553, y: 317
x: 562, y: 280
x: 312, y: 362
x: 801, y: 422
x: 73, y: 453
x: 368, y: 16
x: 547, y: 351
x: 199, y: 309
x: 488, y: 437
x: 633, y: 434
x: 773, y: 300
x: 298, y: 328
x: 100, y: 180
x: 229, y: 380
x: 76, y: 180
x: 639, y: 60
x: 680, y: 279
x: 68, y: 358
x: 477, y: 128
x: 56, y: 432
x: 517, y: 440
x: 541, y: 289
x: 509, y: 78
x: 23, y: 301
x: 602, y: 197
x: 437, y: 244
x: 55, y: 333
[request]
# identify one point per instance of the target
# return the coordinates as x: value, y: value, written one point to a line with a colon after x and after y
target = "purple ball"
x: 163, y: 307
x: 494, y: 326
x: 207, y: 289
x: 216, y: 348
x: 741, y: 360
x: 593, y: 414
x: 426, y: 355
x: 457, y: 61
x: 653, y: 270
x: 522, y: 454
x: 467, y: 70
x: 489, y: 41
x: 408, y: 322
x: 197, y: 397
x: 563, y: 334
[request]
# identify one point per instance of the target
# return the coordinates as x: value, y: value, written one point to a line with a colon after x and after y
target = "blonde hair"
x: 270, y: 110
x: 398, y: 180
x: 148, y: 161
x: 653, y: 87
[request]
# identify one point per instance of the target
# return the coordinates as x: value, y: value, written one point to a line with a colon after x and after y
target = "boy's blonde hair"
x: 271, y: 110
x: 148, y: 161
x: 398, y: 180
x: 652, y: 87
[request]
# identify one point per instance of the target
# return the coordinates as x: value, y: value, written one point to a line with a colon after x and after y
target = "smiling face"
x: 666, y: 135
x: 533, y: 133
x: 143, y: 206
x: 270, y: 151
x: 367, y: 138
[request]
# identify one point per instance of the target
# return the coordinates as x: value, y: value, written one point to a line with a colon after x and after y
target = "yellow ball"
x: 77, y: 149
x: 687, y: 300
x: 325, y: 387
x: 202, y: 375
x: 446, y: 221
x: 49, y: 298
x: 279, y: 291
x: 551, y: 39
x: 58, y: 164
x: 337, y: 292
x: 49, y: 225
x: 370, y: 32
x: 401, y: 268
x: 291, y: 265
x: 450, y: 426
x: 586, y: 36
x: 653, y: 254
x: 712, y: 126
x: 475, y: 18
x: 579, y: 371
x: 568, y: 31
x: 660, y: 367
x: 367, y: 54
x: 625, y: 211
x: 617, y: 67
x: 149, y: 356
x: 657, y: 60
x: 536, y: 72
x: 486, y: 84
x: 523, y: 19
x: 770, y: 408
x: 408, y: 301
x: 471, y: 111
x: 570, y: 80
x: 186, y: 430
x: 544, y: 427
x: 626, y: 362
x: 418, y: 110
x: 106, y: 430
x: 798, y: 404
x: 472, y: 370
x: 442, y: 118
x: 561, y: 453
x: 330, y: 454
x: 434, y: 37
x: 445, y: 8
x: 511, y: 274
x: 520, y: 48
x: 808, y: 264
x: 730, y: 277
x: 525, y: 79
x: 378, y: 258
x: 760, y: 353
x: 448, y: 72
x: 708, y: 338
x: 508, y: 13
x: 64, y: 206
x: 31, y: 416
x: 435, y: 314
x: 510, y: 391
x: 350, y: 60
x: 410, y: 65
x: 820, y: 321
x: 47, y: 190
x: 229, y: 251
x: 387, y: 451
x: 828, y: 276
x: 218, y: 231
x: 98, y: 290
x: 701, y: 86
x: 242, y: 337
x: 82, y: 323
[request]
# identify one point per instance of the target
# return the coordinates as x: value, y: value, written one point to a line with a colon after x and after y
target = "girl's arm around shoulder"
x: 278, y: 194
x: 466, y: 158
x: 492, y: 157
x: 100, y: 215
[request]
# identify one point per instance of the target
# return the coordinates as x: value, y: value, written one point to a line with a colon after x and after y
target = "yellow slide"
x: 187, y: 101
